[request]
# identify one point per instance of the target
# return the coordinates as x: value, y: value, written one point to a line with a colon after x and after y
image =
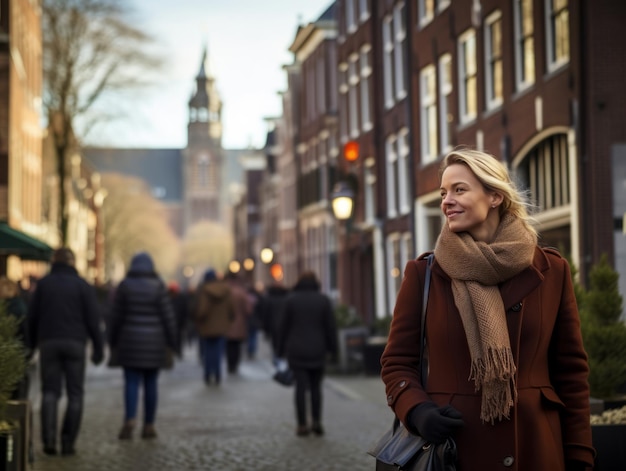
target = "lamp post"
x: 342, y: 203
x: 342, y: 200
x: 267, y: 255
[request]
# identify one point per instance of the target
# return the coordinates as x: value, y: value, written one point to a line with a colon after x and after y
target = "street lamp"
x: 267, y: 255
x: 342, y: 200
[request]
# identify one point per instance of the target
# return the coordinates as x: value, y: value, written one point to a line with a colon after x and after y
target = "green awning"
x: 14, y: 242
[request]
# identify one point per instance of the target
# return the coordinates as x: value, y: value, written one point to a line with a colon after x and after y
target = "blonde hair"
x: 494, y: 176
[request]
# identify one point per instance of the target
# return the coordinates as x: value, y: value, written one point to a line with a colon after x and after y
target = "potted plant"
x: 604, y: 336
x: 12, y: 369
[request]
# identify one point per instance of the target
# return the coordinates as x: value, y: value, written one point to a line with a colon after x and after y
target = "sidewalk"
x: 246, y: 424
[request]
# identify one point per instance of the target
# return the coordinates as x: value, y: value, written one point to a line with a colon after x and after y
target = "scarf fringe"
x: 495, y: 375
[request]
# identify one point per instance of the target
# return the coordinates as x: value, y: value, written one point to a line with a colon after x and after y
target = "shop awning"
x: 14, y: 242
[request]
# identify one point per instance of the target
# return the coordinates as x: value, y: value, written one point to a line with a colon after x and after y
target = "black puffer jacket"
x: 307, y: 331
x: 143, y: 323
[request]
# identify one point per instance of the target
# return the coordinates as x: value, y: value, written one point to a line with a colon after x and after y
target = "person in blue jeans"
x: 214, y: 312
x: 143, y: 328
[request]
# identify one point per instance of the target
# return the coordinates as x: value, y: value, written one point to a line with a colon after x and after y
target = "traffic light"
x: 351, y: 151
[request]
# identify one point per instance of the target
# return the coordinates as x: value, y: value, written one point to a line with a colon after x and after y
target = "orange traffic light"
x: 351, y: 151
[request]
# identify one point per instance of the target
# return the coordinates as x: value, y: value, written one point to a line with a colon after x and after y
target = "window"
x: 545, y: 172
x: 353, y: 83
x: 446, y: 118
x: 392, y: 173
x: 366, y: 72
x: 343, y: 101
x: 404, y: 174
x: 557, y: 33
x: 320, y: 86
x: 203, y: 171
x: 467, y: 76
x: 350, y: 16
x: 426, y: 10
x: 428, y: 114
x: 398, y: 254
x: 493, y: 60
x: 370, y: 181
x: 398, y: 173
x: 400, y: 37
x: 387, y: 62
x: 524, y: 44
x: 364, y: 11
x: 394, y: 40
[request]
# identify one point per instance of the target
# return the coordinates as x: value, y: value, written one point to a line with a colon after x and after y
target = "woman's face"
x: 467, y: 206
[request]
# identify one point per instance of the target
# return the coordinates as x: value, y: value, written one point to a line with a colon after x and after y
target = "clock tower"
x: 204, y: 155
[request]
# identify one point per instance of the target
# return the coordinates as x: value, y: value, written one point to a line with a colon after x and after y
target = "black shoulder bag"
x: 399, y: 449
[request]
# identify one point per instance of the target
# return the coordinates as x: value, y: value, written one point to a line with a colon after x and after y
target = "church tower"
x: 204, y: 155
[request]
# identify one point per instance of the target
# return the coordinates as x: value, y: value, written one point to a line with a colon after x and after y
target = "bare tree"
x: 135, y: 221
x: 89, y: 49
x: 207, y: 244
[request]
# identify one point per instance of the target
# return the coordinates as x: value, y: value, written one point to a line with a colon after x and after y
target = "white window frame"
x: 391, y: 158
x: 393, y: 284
x: 446, y: 85
x: 344, y: 125
x: 552, y: 24
x: 366, y: 72
x: 404, y: 171
x: 388, y: 84
x: 353, y: 86
x: 491, y: 59
x: 467, y: 55
x: 398, y: 50
x: 370, y: 182
x: 425, y: 14
x: 522, y: 81
x: 364, y: 11
x: 351, y: 25
x: 428, y: 113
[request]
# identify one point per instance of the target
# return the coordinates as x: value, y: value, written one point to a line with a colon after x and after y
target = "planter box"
x: 8, y: 452
x: 609, y: 441
x: 20, y: 412
x: 372, y: 350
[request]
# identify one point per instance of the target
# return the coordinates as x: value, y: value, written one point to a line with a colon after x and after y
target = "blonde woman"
x: 507, y: 375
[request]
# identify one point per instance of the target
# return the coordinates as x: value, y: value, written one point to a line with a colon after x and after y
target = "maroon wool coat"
x: 550, y: 422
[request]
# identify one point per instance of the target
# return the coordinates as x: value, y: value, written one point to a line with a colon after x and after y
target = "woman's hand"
x: 434, y: 423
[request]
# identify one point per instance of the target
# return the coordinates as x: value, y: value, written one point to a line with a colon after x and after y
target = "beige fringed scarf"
x: 476, y: 269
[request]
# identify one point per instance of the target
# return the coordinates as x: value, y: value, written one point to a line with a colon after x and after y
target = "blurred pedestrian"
x: 272, y: 306
x: 180, y: 305
x: 307, y: 335
x: 238, y: 330
x: 62, y: 315
x: 143, y: 338
x: 214, y: 311
x: 507, y: 371
x: 16, y: 306
x: 254, y: 322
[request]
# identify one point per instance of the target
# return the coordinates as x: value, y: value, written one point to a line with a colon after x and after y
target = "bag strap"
x: 423, y: 359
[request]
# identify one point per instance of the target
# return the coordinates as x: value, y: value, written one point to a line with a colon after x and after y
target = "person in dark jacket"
x: 271, y: 309
x: 307, y: 334
x: 143, y: 328
x: 213, y: 314
x: 62, y: 315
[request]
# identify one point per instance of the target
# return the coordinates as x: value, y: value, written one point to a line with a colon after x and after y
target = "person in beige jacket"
x: 213, y: 315
x: 238, y: 331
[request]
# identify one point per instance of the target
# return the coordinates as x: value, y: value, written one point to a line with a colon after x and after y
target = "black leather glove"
x: 575, y: 465
x: 97, y: 357
x: 434, y: 423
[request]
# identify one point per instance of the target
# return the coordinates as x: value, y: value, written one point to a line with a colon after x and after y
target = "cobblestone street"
x: 247, y: 423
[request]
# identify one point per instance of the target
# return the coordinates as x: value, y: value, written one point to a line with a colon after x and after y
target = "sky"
x: 248, y: 43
